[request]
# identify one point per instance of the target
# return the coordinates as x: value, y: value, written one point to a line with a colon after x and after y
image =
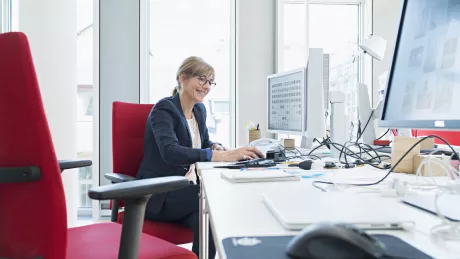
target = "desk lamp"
x: 374, y: 46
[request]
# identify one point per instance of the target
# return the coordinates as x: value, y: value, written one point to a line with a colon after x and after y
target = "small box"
x: 427, y: 144
x: 436, y: 169
x: 289, y: 143
x: 254, y: 135
x: 401, y: 145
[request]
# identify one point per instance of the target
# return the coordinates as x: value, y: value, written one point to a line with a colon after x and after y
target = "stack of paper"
x: 258, y: 176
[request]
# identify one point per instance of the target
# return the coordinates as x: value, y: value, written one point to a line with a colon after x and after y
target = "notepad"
x: 258, y: 176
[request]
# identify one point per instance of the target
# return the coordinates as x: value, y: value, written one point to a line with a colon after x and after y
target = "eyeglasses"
x: 203, y: 80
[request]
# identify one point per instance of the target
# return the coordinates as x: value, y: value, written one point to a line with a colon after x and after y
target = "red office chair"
x: 33, y: 221
x: 128, y: 126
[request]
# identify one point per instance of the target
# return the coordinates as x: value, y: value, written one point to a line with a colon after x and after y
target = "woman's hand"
x: 243, y: 153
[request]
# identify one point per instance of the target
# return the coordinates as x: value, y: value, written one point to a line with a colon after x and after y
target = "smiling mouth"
x: 202, y: 93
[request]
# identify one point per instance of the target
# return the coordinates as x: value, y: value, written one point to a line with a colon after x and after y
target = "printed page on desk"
x: 258, y: 176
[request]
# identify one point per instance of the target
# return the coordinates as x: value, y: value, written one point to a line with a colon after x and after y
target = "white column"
x: 255, y: 60
x: 51, y: 27
x: 5, y: 16
x: 119, y: 69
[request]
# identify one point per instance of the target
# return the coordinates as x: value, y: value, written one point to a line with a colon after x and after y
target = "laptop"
x: 449, y: 204
x: 296, y: 210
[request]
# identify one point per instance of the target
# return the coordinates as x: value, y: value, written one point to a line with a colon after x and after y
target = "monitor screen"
x: 286, y: 105
x: 423, y: 89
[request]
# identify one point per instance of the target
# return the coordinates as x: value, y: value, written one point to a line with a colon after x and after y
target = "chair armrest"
x: 20, y: 174
x: 118, y: 178
x: 70, y: 164
x: 138, y: 189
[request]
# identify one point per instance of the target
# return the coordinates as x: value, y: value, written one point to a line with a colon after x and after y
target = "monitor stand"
x: 306, y: 143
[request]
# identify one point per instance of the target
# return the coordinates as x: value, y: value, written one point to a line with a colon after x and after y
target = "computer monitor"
x: 423, y: 88
x: 296, y: 100
x: 287, y: 102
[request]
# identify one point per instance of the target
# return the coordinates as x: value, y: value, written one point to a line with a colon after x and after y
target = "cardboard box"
x: 401, y: 145
x: 427, y: 144
x: 289, y: 143
x: 436, y: 169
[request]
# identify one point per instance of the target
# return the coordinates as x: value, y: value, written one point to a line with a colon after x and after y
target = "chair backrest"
x: 128, y: 127
x: 33, y: 220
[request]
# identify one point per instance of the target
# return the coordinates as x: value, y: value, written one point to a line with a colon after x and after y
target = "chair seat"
x: 102, y: 241
x: 171, y: 232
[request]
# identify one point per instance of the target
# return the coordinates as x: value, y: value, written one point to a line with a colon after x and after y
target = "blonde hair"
x: 190, y: 67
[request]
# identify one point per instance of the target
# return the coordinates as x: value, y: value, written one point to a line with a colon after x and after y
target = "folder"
x: 258, y: 176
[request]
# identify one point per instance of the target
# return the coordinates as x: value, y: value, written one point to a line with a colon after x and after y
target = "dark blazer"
x: 168, y: 145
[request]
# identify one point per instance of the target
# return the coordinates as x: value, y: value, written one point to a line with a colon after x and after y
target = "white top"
x: 196, y: 143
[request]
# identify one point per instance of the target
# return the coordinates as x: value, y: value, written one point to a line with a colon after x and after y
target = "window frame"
x: 5, y: 16
x: 144, y: 90
x: 365, y: 28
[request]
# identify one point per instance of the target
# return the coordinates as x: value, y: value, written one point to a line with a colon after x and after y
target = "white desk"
x: 238, y: 210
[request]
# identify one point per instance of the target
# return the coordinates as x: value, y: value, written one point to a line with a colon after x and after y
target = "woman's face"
x: 197, y: 87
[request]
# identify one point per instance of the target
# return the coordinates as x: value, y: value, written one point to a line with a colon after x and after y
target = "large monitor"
x: 296, y: 100
x: 287, y: 102
x: 423, y: 87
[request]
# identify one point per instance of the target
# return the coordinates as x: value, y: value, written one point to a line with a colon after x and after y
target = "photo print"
x: 449, y: 53
x: 424, y: 96
x: 415, y: 57
x: 437, y: 15
x: 423, y: 20
x: 444, y: 96
x: 431, y: 56
x: 409, y: 97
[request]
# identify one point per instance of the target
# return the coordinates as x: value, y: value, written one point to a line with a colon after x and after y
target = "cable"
x: 361, y: 132
x: 297, y: 154
x: 447, y: 230
x: 383, y: 135
x: 343, y: 148
x: 397, y: 163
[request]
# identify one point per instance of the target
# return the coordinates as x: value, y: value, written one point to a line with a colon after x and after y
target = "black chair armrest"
x: 138, y: 189
x: 118, y: 178
x: 135, y: 194
x: 70, y: 164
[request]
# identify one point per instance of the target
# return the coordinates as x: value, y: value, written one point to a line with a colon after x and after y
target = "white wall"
x: 385, y: 24
x: 118, y: 69
x: 255, y: 60
x: 50, y: 26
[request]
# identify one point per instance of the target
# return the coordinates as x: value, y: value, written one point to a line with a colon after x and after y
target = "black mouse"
x: 305, y: 165
x: 338, y: 241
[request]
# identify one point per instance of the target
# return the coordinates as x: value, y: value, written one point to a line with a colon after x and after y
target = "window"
x: 338, y: 35
x: 183, y: 28
x: 334, y: 26
x: 85, y: 101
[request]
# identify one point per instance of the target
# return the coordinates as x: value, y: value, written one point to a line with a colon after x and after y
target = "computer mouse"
x: 305, y: 165
x: 338, y: 241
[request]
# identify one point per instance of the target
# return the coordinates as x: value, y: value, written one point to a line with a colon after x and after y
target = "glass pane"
x: 294, y: 36
x: 85, y: 46
x: 183, y: 28
x: 335, y: 28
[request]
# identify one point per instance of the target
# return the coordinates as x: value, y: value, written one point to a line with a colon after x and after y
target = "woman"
x: 175, y: 139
